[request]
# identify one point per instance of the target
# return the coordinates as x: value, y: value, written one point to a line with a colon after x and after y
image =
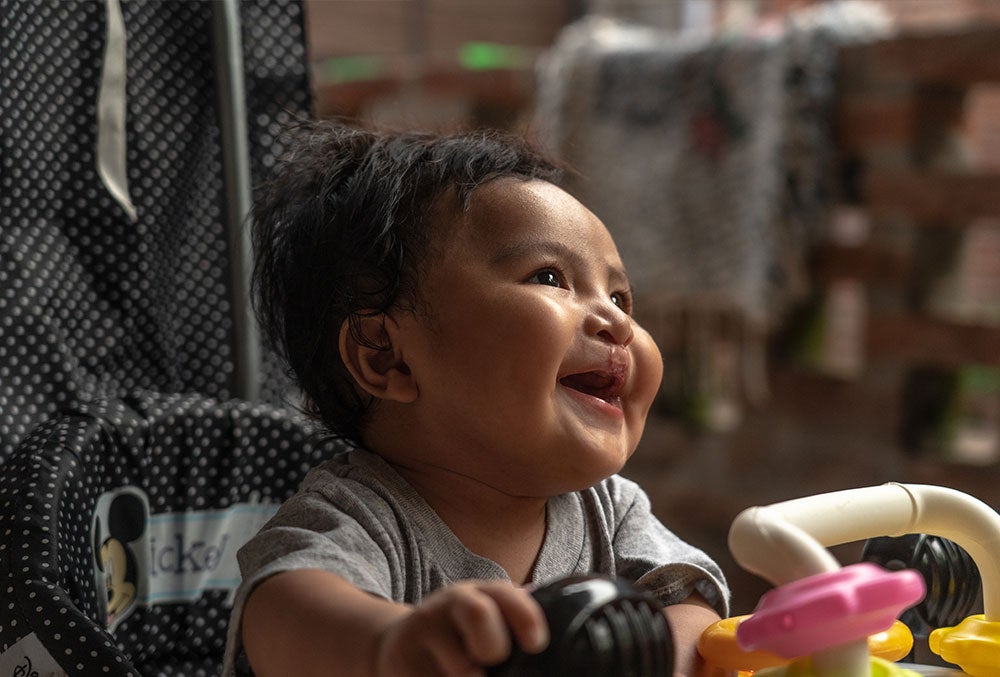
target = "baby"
x: 466, y: 326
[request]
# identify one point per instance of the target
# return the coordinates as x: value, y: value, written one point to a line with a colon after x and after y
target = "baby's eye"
x: 547, y: 277
x: 623, y: 300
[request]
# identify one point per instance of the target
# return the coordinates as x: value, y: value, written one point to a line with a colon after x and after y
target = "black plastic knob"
x: 599, y: 626
x: 953, y: 583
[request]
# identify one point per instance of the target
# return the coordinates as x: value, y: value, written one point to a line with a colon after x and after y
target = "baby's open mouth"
x: 601, y: 384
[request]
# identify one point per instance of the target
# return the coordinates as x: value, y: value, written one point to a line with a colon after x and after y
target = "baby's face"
x: 529, y: 364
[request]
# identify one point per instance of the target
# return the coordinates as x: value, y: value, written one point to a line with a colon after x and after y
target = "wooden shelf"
x: 865, y: 120
x: 933, y: 195
x: 508, y: 88
x: 925, y: 340
x: 868, y: 262
x: 962, y: 57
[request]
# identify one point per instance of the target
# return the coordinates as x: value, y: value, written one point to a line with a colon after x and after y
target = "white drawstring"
x: 111, y: 139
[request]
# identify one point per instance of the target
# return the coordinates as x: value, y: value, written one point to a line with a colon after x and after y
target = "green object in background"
x: 953, y: 414
x: 475, y: 56
x: 481, y: 56
x: 975, y: 433
x: 340, y: 69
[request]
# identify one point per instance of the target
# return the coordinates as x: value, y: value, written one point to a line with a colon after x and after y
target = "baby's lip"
x: 606, y: 382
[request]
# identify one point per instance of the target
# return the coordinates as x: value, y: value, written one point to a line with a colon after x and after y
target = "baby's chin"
x: 582, y: 478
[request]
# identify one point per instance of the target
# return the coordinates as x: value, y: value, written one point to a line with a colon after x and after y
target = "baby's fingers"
x: 481, y: 626
x: 451, y: 658
x: 522, y: 614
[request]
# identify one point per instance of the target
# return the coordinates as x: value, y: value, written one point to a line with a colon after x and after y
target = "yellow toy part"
x: 802, y: 667
x: 892, y: 644
x: 718, y: 647
x: 973, y: 645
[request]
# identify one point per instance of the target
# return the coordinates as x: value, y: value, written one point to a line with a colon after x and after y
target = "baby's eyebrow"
x: 524, y: 248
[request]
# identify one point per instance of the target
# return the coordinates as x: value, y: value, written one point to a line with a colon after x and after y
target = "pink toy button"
x: 829, y: 609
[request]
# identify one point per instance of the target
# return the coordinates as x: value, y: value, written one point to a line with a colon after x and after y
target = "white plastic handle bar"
x: 787, y: 541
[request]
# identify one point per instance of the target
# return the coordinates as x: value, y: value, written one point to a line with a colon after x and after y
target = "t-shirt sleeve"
x: 308, y: 532
x: 655, y: 558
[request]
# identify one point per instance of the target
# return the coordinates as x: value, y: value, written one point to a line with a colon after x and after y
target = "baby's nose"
x: 615, y: 326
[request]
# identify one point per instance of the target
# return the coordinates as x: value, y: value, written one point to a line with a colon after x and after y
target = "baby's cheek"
x: 648, y: 368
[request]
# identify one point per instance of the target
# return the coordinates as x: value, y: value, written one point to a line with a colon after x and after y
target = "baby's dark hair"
x: 340, y: 233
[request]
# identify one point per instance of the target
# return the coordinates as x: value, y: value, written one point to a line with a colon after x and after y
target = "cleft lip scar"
x: 604, y: 377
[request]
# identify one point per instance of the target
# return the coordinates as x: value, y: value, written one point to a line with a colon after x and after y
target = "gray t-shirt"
x: 356, y: 517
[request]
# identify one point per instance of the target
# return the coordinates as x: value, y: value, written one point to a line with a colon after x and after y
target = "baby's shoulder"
x: 356, y: 482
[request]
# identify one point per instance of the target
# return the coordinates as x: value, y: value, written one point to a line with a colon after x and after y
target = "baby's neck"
x: 514, y: 546
x: 507, y: 529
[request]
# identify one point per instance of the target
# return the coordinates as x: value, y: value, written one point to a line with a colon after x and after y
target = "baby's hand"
x: 459, y: 629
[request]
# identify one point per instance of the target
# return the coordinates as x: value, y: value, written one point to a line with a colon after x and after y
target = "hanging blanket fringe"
x: 709, y: 159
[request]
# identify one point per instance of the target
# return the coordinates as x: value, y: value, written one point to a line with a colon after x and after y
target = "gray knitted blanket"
x: 709, y: 159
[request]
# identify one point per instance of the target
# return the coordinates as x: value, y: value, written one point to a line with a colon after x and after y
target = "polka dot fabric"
x: 187, y: 452
x: 93, y: 305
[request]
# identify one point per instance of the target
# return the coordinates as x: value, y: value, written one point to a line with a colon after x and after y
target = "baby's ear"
x: 382, y: 371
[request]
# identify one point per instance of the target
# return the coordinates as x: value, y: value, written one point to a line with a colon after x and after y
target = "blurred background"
x: 806, y: 194
x: 870, y: 351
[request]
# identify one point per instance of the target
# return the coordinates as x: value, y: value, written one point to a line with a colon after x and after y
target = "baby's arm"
x: 687, y: 621
x: 313, y: 622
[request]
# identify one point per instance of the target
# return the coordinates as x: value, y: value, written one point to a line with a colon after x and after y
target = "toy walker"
x: 824, y: 620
